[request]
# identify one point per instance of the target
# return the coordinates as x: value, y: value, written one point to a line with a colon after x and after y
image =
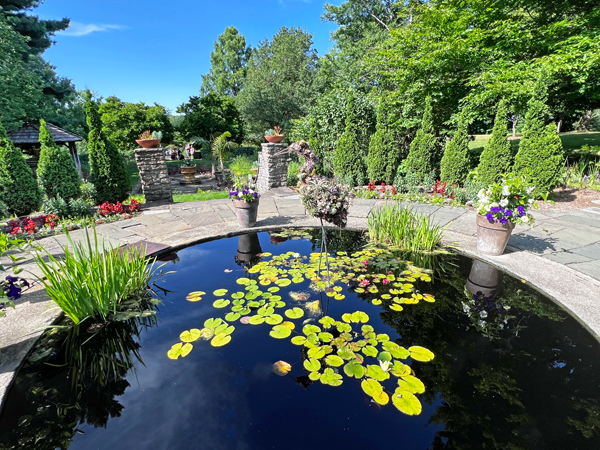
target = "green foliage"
x: 55, y: 205
x: 221, y: 147
x: 4, y: 211
x: 454, y: 167
x: 348, y: 162
x: 497, y: 158
x: 107, y: 167
x: 228, y: 61
x: 88, y: 192
x: 79, y: 208
x: 384, y: 153
x: 93, y: 279
x: 18, y: 189
x: 403, y: 228
x: 56, y: 172
x: 540, y: 157
x: 292, y: 173
x: 241, y: 168
x: 421, y: 157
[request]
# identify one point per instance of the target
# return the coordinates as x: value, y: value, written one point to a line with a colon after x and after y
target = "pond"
x: 253, y: 347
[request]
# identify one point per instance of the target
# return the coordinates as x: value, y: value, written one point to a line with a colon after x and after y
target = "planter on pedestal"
x: 189, y: 174
x: 246, y: 212
x: 492, y: 237
x: 148, y: 143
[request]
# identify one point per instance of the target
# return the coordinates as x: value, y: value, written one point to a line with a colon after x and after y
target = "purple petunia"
x: 508, y: 213
x: 490, y: 217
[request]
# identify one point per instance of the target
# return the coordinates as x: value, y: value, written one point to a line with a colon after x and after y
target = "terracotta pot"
x: 189, y: 173
x: 485, y: 279
x: 148, y: 143
x: 246, y: 212
x: 492, y: 237
x: 275, y: 139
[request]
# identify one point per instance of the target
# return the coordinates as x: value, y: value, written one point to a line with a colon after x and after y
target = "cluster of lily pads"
x: 348, y: 346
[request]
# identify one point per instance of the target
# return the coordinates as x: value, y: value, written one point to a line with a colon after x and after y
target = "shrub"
x: 292, y: 173
x: 348, y: 161
x: 541, y: 155
x: 497, y: 158
x: 455, y: 162
x: 421, y: 157
x: 107, y: 168
x: 18, y: 189
x: 56, y: 205
x: 241, y: 168
x: 384, y: 151
x: 79, y: 208
x: 93, y: 279
x: 429, y: 180
x: 88, y: 192
x: 56, y: 172
x: 4, y: 210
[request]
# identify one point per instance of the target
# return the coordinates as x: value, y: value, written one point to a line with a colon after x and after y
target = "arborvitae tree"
x: 541, y: 155
x: 421, y: 157
x: 384, y: 151
x: 348, y: 161
x: 497, y: 158
x: 56, y: 172
x: 455, y: 162
x: 107, y: 167
x: 18, y: 189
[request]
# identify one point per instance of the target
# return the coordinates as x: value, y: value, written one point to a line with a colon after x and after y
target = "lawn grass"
x: 180, y: 198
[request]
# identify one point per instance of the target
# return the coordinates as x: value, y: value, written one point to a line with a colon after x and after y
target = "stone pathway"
x: 560, y: 256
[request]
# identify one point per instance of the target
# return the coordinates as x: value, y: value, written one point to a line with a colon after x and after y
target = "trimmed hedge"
x: 421, y: 157
x: 348, y: 161
x: 455, y: 162
x: 497, y: 158
x: 384, y: 153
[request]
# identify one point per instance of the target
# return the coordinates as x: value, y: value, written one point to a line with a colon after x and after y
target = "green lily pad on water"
x: 294, y: 313
x: 377, y: 373
x: 256, y: 320
x: 221, y: 303
x: 316, y: 352
x: 232, y: 317
x: 353, y: 369
x: 220, y: 340
x: 406, y: 402
x: 331, y: 378
x: 220, y: 292
x: 190, y: 336
x: 274, y: 319
x: 310, y: 329
x: 280, y: 332
x: 334, y: 360
x: 411, y: 384
x: 298, y: 340
x: 421, y: 353
x: 312, y: 365
x: 212, y: 323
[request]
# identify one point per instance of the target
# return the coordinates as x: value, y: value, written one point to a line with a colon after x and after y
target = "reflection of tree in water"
x: 78, y: 384
x: 519, y: 387
x: 337, y: 240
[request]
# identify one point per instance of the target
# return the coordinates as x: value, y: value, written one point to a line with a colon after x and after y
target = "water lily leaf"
x: 280, y: 332
x: 359, y: 290
x: 367, y: 329
x: 281, y: 368
x: 396, y: 350
x: 273, y: 289
x: 373, y: 290
x: 195, y: 296
x: 297, y: 280
x: 386, y: 296
x: 334, y: 360
x: 384, y: 356
x: 220, y: 340
x: 382, y: 398
x: 421, y: 353
x: 175, y: 351
x: 230, y: 329
x: 428, y: 297
x: 244, y: 311
x: 243, y: 281
x: 383, y: 337
x: 396, y: 307
x: 406, y: 402
x: 345, y: 353
x: 369, y: 350
x: 312, y: 365
x: 265, y: 282
x: 294, y: 313
x: 353, y: 369
x: 221, y: 303
x: 316, y: 352
x: 325, y: 337
x: 190, y: 336
x: 252, y: 295
x: 237, y: 295
x: 339, y: 297
x: 274, y: 319
x: 186, y: 349
x: 314, y: 376
x: 298, y: 340
x: 265, y: 311
x: 377, y: 373
x: 327, y: 322
x: 256, y: 320
x: 371, y: 387
x: 220, y: 292
x: 360, y: 317
x: 237, y: 308
x: 310, y: 329
x: 282, y: 282
x: 197, y: 293
x: 376, y: 302
x: 400, y: 370
x: 331, y: 378
x: 254, y: 269
x: 347, y: 317
x: 411, y: 384
x: 212, y: 323
x: 344, y: 327
x: 232, y: 316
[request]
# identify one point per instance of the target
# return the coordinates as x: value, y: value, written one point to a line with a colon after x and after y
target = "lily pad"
x: 406, y: 402
x: 220, y: 292
x: 232, y: 317
x: 360, y: 317
x: 221, y: 303
x: 294, y: 313
x: 274, y: 319
x: 265, y: 311
x: 376, y: 302
x: 298, y: 340
x: 312, y: 365
x: 282, y: 282
x: 421, y: 353
x: 237, y: 295
x: 400, y: 370
x: 290, y: 325
x: 353, y: 369
x: 243, y: 281
x: 369, y: 350
x: 411, y: 384
x: 314, y: 376
x: 256, y: 320
x: 334, y: 360
x: 212, y: 323
x: 377, y: 373
x: 190, y: 336
x: 273, y: 289
x: 310, y: 329
x: 325, y: 337
x: 371, y: 387
x: 220, y: 340
x: 384, y: 356
x: 316, y: 352
x: 396, y: 307
x: 280, y: 332
x: 331, y: 378
x: 382, y: 398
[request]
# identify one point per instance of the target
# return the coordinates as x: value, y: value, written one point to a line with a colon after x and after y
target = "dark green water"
x: 511, y: 371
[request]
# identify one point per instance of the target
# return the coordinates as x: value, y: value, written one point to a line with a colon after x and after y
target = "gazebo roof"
x: 29, y: 134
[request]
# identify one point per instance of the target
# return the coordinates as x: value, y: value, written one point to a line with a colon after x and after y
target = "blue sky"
x: 156, y: 51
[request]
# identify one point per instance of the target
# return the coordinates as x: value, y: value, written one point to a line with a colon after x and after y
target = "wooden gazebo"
x: 27, y: 139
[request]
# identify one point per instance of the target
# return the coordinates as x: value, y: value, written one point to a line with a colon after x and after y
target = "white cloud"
x: 83, y: 29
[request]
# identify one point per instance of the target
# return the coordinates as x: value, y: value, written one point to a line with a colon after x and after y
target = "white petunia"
x: 483, y: 314
x: 504, y: 203
x: 530, y: 190
x: 530, y: 201
x: 505, y: 190
x: 525, y: 219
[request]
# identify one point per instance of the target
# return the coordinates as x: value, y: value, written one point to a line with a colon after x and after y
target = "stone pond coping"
x: 560, y: 257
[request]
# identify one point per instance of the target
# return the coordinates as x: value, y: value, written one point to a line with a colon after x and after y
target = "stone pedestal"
x: 272, y: 168
x: 156, y: 184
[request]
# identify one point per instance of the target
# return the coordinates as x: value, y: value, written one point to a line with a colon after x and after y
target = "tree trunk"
x: 559, y: 125
x: 585, y: 120
x: 514, y: 125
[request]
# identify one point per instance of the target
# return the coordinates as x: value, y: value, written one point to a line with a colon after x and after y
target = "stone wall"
x: 272, y: 168
x: 156, y: 184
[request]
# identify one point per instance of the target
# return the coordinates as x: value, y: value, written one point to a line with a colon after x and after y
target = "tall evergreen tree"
x: 497, y: 157
x: 455, y: 162
x: 421, y: 157
x: 541, y: 155
x: 56, y: 172
x: 348, y: 161
x: 384, y: 149
x: 18, y: 189
x: 107, y: 167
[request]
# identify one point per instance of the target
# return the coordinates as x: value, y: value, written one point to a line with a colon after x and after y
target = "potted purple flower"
x: 245, y: 199
x: 499, y: 208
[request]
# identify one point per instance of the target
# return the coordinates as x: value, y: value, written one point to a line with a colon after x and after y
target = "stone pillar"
x: 272, y: 168
x: 156, y: 184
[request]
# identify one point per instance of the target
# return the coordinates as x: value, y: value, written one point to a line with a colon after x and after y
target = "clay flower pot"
x: 492, y: 237
x: 148, y: 143
x: 246, y: 212
x: 189, y: 174
x: 275, y: 139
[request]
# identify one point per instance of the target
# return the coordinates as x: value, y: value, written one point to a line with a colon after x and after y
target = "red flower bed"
x: 111, y: 209
x: 30, y: 225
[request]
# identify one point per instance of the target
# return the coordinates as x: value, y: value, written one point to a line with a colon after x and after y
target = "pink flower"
x: 365, y: 262
x: 386, y: 281
x: 365, y: 282
x: 389, y: 272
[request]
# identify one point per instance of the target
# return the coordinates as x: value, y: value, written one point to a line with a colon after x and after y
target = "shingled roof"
x: 29, y: 133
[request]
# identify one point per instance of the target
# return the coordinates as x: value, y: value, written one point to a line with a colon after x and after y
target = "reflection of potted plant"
x: 248, y: 247
x: 500, y: 208
x: 149, y: 139
x: 245, y: 199
x: 275, y: 135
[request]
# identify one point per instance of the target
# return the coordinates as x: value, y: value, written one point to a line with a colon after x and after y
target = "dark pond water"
x: 511, y: 369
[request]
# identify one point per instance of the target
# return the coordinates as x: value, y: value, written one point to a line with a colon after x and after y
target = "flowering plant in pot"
x: 149, y: 139
x: 499, y: 208
x: 274, y: 135
x: 245, y: 199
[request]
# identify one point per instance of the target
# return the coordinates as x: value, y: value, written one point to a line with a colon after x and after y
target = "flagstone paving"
x: 560, y: 256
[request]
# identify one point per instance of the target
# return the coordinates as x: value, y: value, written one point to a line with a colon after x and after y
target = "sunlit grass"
x: 204, y: 196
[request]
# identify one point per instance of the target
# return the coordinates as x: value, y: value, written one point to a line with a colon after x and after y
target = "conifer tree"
x: 348, y: 161
x: 56, y: 172
x: 18, y: 189
x: 384, y: 151
x: 107, y: 168
x: 497, y: 158
x: 455, y: 162
x: 541, y: 155
x: 421, y: 157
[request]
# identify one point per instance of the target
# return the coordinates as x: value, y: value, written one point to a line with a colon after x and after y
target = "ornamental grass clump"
x: 93, y: 279
x: 403, y: 228
x: 507, y: 201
